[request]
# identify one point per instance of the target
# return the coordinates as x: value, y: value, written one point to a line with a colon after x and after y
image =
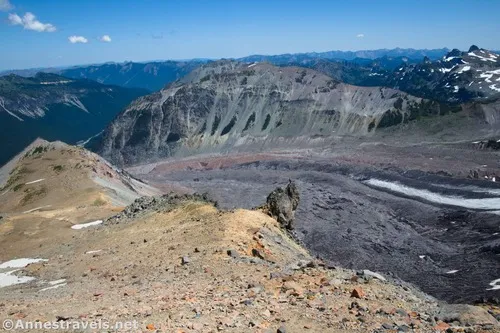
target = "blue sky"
x: 142, y: 30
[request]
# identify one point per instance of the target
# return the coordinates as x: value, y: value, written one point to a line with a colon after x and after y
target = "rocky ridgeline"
x: 150, y: 204
x: 227, y: 105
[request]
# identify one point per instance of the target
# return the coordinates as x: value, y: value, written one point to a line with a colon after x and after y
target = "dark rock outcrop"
x: 282, y: 204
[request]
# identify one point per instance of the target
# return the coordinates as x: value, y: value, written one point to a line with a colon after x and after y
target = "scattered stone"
x: 233, y: 254
x: 185, y: 260
x: 387, y: 326
x: 358, y: 292
x: 281, y: 329
x: 294, y: 287
x: 335, y: 282
x: 402, y: 312
x: 441, y: 326
x: 258, y: 254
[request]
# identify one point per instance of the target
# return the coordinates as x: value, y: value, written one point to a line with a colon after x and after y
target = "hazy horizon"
x: 62, y: 34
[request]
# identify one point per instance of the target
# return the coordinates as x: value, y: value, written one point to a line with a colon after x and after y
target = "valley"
x: 405, y: 211
x: 100, y: 246
x: 384, y: 212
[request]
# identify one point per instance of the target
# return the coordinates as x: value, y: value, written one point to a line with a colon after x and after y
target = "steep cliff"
x: 230, y: 105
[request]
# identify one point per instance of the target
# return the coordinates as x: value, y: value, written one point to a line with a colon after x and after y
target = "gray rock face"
x: 231, y: 106
x: 282, y: 204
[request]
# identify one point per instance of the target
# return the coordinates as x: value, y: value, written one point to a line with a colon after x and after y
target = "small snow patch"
x: 452, y: 271
x: 53, y: 283
x: 54, y: 286
x: 20, y: 263
x: 93, y: 251
x: 422, y: 257
x: 445, y: 70
x: 494, y: 87
x: 85, y: 225
x: 464, y: 69
x: 495, y: 285
x: 251, y: 65
x: 492, y: 57
x: 35, y: 181
x: 55, y: 82
x: 7, y: 279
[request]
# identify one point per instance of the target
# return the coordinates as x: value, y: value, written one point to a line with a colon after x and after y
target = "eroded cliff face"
x: 228, y: 105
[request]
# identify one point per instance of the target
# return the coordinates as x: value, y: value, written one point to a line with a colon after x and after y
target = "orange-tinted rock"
x: 358, y: 292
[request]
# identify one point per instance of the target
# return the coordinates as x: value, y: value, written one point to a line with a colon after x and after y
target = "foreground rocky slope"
x: 55, y: 108
x: 230, y: 105
x: 178, y: 264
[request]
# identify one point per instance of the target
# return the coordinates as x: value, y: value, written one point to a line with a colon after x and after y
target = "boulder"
x: 465, y: 315
x: 282, y: 203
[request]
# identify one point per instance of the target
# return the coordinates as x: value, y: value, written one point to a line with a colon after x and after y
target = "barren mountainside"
x: 55, y: 108
x: 231, y: 105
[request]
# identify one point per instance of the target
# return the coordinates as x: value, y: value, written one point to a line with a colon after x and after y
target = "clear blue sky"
x: 164, y: 29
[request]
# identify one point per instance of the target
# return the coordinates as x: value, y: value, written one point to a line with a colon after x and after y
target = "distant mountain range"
x: 416, y: 54
x: 456, y: 77
x: 366, y: 67
x: 154, y: 75
x: 76, y: 103
x: 55, y: 108
x: 151, y: 75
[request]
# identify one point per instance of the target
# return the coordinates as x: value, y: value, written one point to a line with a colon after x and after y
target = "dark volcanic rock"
x: 282, y: 203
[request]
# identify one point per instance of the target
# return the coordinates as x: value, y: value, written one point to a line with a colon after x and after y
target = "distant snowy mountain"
x: 457, y: 77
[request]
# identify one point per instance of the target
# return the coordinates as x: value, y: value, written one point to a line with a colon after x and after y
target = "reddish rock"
x: 441, y: 327
x: 358, y: 292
